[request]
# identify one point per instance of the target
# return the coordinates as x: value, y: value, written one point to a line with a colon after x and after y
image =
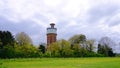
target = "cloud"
x: 114, y: 20
x: 102, y: 10
x: 35, y: 31
x: 94, y: 18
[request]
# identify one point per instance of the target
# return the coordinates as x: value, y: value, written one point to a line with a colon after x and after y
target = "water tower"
x: 51, y: 34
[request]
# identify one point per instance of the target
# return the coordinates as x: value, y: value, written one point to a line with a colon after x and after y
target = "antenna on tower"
x: 52, y: 25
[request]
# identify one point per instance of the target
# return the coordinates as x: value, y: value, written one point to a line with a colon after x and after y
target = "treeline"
x: 80, y: 46
x: 21, y: 46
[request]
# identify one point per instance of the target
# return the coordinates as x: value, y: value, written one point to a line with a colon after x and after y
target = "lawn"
x: 61, y: 63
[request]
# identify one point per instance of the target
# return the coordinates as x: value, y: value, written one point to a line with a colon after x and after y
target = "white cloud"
x: 114, y: 20
x: 95, y: 18
x: 52, y: 3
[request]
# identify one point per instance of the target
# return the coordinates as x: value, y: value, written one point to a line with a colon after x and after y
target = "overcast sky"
x: 94, y: 18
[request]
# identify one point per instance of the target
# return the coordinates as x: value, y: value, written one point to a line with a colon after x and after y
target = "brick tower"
x: 51, y: 34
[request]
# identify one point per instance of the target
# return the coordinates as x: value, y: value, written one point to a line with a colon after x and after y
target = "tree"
x: 0, y: 43
x: 105, y: 47
x: 65, y: 48
x: 26, y: 51
x: 107, y: 41
x: 53, y: 49
x: 30, y: 51
x: 6, y: 38
x: 42, y: 48
x: 78, y: 39
x: 81, y: 46
x: 7, y: 52
x: 23, y: 39
x: 76, y: 48
x: 89, y: 45
x: 100, y: 49
x: 60, y: 48
x: 105, y: 50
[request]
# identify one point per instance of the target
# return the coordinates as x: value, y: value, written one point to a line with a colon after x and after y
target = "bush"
x: 7, y: 52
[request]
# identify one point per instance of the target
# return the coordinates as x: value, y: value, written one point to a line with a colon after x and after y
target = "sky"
x: 94, y: 18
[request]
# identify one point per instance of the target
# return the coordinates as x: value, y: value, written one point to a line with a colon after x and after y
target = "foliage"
x: 6, y: 38
x: 27, y: 51
x: 107, y: 41
x: 19, y: 51
x: 83, y: 47
x: 7, y: 52
x: 53, y: 49
x: 105, y: 47
x: 90, y: 45
x: 78, y: 39
x: 118, y: 55
x: 105, y: 50
x: 77, y: 46
x: 23, y: 39
x: 76, y: 49
x: 42, y: 48
x: 10, y: 49
x: 60, y: 48
x: 65, y: 48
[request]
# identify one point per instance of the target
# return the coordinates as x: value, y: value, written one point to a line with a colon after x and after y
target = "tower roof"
x: 52, y: 25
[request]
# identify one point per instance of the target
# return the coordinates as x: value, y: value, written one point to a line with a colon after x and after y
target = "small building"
x: 51, y: 34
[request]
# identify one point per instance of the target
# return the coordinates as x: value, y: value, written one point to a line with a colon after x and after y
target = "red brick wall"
x: 51, y: 38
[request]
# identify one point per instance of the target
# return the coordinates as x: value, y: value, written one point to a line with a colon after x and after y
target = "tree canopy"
x: 22, y: 38
x: 6, y: 38
x: 76, y: 46
x: 78, y: 38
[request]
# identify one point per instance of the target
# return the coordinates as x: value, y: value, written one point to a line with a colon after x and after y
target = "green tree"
x: 23, y: 39
x: 60, y: 48
x: 105, y: 46
x: 105, y: 50
x: 6, y: 38
x: 81, y: 46
x: 65, y: 48
x: 42, y: 48
x: 90, y: 45
x: 78, y: 39
x: 53, y: 49
x: 100, y: 49
x: 26, y: 51
x: 76, y: 48
x: 7, y: 52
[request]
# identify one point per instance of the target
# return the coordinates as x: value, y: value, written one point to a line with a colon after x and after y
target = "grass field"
x: 61, y: 63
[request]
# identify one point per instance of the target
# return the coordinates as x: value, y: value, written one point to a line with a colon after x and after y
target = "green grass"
x: 61, y: 63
